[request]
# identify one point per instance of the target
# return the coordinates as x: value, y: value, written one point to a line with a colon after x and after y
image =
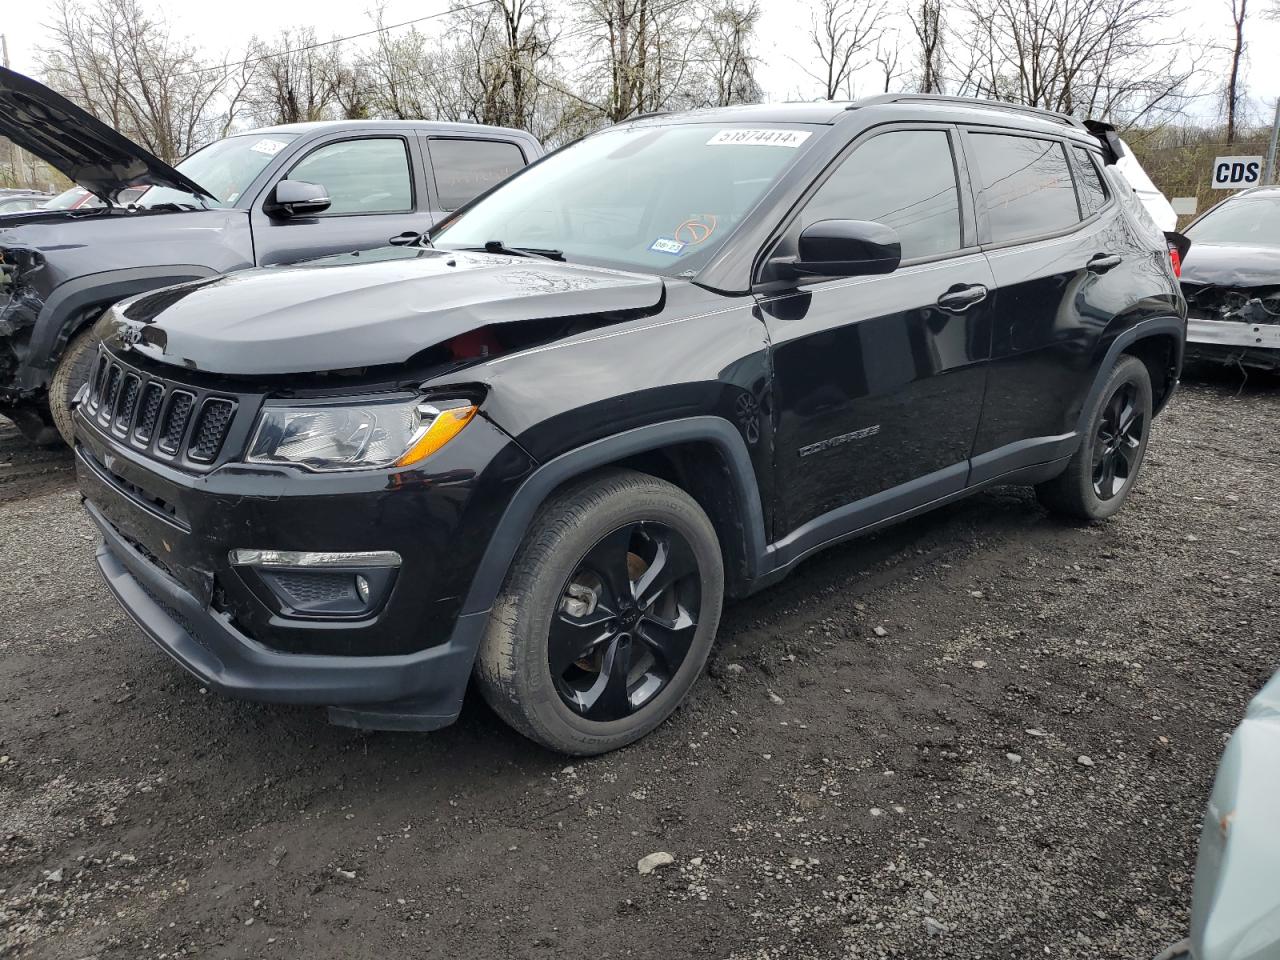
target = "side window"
x: 1025, y: 186
x: 362, y: 176
x: 905, y: 179
x: 1093, y: 195
x: 466, y: 168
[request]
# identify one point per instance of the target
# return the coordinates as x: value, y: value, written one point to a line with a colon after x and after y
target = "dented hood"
x: 78, y: 145
x: 369, y: 309
x: 1231, y: 265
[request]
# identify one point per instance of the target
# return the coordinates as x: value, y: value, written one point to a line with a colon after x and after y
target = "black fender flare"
x: 533, y: 492
x: 70, y: 300
x: 1151, y: 327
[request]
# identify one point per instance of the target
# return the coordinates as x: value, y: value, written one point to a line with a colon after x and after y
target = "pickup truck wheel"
x: 607, y: 615
x: 1103, y: 470
x: 72, y: 371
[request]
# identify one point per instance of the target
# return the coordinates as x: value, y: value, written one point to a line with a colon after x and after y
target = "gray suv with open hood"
x: 275, y: 195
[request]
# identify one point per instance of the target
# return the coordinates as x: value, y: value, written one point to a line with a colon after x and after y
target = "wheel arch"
x: 705, y: 456
x: 75, y: 304
x: 1157, y: 340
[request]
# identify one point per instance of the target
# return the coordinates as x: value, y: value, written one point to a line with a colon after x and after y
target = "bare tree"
x: 1117, y: 58
x: 506, y: 42
x: 729, y: 26
x: 888, y: 53
x: 126, y: 67
x: 840, y: 32
x: 1235, y: 80
x: 296, y: 80
x: 930, y: 29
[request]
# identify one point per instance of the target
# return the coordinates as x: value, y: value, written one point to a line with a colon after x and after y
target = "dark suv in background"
x: 661, y: 366
x: 269, y: 196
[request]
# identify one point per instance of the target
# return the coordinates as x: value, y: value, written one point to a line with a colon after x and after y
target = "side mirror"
x: 847, y: 248
x: 297, y: 198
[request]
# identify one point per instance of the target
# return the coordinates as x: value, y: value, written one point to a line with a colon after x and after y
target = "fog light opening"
x: 362, y: 587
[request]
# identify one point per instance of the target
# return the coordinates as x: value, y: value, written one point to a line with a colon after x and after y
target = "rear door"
x: 1058, y: 248
x: 373, y: 191
x: 878, y: 380
x: 462, y: 168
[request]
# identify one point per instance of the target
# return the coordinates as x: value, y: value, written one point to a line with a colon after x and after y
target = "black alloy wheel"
x: 1118, y: 444
x: 625, y: 621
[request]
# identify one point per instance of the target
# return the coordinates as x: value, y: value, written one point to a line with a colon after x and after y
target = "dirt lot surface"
x: 983, y: 734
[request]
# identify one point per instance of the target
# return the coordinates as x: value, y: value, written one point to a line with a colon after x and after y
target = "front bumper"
x: 422, y: 690
x: 1228, y: 333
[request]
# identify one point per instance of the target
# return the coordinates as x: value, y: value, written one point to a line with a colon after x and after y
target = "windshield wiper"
x: 497, y: 246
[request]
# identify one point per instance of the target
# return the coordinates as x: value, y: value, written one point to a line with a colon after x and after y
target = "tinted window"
x: 1093, y: 195
x: 906, y: 180
x: 1025, y: 186
x: 361, y: 176
x: 466, y: 168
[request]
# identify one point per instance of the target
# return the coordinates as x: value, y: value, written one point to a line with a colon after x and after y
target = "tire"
x: 70, y: 374
x: 1085, y: 490
x: 585, y: 521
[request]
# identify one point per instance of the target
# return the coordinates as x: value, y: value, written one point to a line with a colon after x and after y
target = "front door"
x: 878, y: 381
x: 372, y: 195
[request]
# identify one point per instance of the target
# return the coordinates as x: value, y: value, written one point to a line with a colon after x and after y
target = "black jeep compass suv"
x: 658, y: 367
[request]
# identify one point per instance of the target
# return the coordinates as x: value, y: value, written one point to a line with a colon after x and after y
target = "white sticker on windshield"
x: 272, y: 147
x: 667, y: 245
x: 759, y: 138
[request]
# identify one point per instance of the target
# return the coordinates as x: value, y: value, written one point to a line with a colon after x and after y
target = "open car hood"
x: 78, y: 145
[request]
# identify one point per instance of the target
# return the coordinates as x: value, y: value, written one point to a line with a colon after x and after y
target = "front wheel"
x: 607, y: 615
x: 1104, y: 468
x: 70, y: 374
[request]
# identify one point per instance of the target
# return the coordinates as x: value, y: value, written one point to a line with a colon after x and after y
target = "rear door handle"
x: 1104, y: 262
x: 961, y: 297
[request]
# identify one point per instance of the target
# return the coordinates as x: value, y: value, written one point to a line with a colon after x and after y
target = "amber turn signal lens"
x: 445, y: 425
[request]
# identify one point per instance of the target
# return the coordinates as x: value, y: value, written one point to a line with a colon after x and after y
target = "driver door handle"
x: 961, y: 297
x: 1104, y: 262
x: 404, y: 239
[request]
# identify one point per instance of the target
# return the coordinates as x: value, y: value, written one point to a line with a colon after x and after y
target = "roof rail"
x: 967, y: 102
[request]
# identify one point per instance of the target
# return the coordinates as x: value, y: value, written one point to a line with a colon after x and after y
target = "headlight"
x: 357, y: 436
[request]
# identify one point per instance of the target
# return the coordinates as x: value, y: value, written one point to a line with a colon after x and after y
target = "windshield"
x: 1248, y: 221
x: 225, y: 169
x: 657, y: 199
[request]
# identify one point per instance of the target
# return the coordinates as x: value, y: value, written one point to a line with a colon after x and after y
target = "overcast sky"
x: 225, y: 26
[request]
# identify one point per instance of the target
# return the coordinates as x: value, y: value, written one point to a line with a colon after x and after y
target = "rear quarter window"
x: 1025, y: 186
x: 464, y: 169
x: 1093, y: 195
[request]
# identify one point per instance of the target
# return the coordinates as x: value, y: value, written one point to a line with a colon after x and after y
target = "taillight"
x: 1176, y: 259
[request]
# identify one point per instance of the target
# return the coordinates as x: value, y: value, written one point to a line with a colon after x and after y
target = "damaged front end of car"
x: 21, y: 301
x: 1234, y: 325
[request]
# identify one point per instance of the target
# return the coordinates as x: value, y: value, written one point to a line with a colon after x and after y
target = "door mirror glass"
x: 297, y: 198
x: 847, y: 248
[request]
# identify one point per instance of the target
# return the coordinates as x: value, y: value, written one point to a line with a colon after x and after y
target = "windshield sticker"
x: 269, y: 147
x: 696, y: 229
x: 759, y: 138
x: 667, y: 245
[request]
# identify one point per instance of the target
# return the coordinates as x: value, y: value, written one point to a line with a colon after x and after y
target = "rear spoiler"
x: 1112, y: 147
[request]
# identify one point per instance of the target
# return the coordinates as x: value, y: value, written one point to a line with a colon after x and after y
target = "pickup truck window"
x: 467, y: 168
x: 661, y: 199
x: 224, y: 168
x: 369, y: 175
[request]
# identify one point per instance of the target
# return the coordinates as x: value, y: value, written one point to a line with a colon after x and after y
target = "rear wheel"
x: 70, y: 374
x: 607, y: 615
x: 1103, y: 470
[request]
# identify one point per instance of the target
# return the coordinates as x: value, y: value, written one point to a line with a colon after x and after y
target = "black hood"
x: 379, y: 307
x: 77, y: 145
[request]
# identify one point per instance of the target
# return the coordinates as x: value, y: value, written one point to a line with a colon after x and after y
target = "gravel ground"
x: 983, y: 733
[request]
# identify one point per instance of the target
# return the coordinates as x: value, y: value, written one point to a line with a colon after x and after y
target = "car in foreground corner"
x: 1235, y: 910
x: 1231, y: 279
x: 660, y: 367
